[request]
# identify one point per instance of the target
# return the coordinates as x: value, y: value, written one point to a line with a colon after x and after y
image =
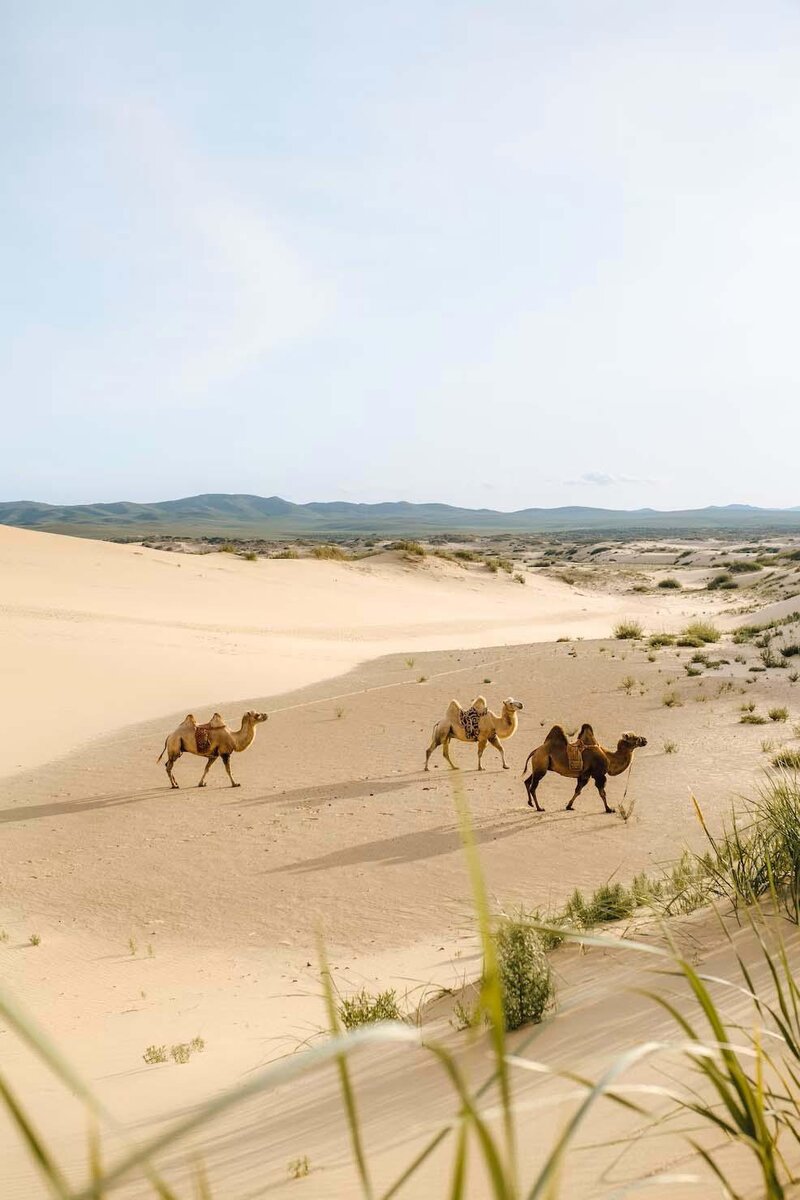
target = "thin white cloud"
x: 247, y: 291
x: 602, y: 479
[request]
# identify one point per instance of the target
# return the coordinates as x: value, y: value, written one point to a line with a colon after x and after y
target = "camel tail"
x: 527, y: 760
x: 161, y: 755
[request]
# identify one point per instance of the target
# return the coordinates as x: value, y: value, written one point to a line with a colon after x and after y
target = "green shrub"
x: 250, y: 556
x: 752, y: 718
x: 670, y: 747
x: 704, y: 630
x: 670, y: 584
x: 525, y: 978
x: 287, y: 553
x: 661, y: 639
x: 364, y: 1008
x: 787, y: 759
x: 610, y: 902
x: 155, y: 1054
x: 671, y: 700
x: 575, y: 911
x: 742, y: 567
x: 685, y: 640
x: 778, y: 714
x: 298, y: 1168
x: 410, y: 548
x: 328, y: 551
x: 628, y: 630
x: 722, y: 580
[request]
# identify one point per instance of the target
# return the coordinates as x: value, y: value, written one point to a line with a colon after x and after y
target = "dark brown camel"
x: 584, y: 760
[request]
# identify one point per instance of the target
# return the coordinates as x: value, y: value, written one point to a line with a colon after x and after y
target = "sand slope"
x: 164, y: 915
x: 94, y: 635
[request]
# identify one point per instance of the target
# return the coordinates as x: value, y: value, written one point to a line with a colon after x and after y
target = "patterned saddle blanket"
x: 575, y: 755
x: 202, y: 735
x: 470, y: 719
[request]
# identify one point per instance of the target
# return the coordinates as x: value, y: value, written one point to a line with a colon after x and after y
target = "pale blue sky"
x: 499, y: 254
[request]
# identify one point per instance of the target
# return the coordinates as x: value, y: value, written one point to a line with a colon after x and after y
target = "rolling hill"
x: 271, y: 517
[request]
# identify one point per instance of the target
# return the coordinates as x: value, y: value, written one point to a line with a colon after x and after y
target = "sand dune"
x: 168, y: 915
x: 94, y: 635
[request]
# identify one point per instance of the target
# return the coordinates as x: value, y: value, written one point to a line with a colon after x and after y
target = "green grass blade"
x: 460, y: 1164
x: 348, y: 1094
x: 549, y: 1171
x: 36, y: 1147
x: 491, y: 996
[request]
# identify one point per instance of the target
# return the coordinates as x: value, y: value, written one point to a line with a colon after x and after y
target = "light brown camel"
x: 475, y: 724
x: 212, y: 741
x: 596, y: 762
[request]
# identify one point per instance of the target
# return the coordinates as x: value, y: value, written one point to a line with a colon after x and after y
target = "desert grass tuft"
x: 365, y: 1009
x: 628, y: 630
x: 704, y: 631
x: 525, y: 978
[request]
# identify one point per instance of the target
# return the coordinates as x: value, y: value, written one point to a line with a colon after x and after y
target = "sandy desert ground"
x: 167, y: 915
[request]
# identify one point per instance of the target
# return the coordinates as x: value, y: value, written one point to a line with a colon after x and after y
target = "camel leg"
x: 226, y: 762
x: 531, y: 784
x: 446, y: 752
x: 481, y: 747
x: 495, y: 741
x: 581, y: 784
x: 600, y: 784
x: 168, y: 765
x: 434, y: 743
x: 209, y: 765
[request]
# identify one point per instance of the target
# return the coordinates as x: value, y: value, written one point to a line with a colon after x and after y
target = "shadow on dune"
x: 408, y: 847
x: 312, y: 797
x: 66, y: 808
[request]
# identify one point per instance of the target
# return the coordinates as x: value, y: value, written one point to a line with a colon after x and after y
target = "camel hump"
x: 216, y: 722
x: 479, y: 705
x: 586, y: 735
x: 556, y: 736
x: 189, y: 719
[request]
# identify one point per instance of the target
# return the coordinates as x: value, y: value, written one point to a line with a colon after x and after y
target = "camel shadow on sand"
x: 409, y: 847
x: 68, y: 808
x: 326, y: 793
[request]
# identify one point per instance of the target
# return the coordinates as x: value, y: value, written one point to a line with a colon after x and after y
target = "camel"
x: 596, y: 762
x: 475, y: 724
x: 212, y: 741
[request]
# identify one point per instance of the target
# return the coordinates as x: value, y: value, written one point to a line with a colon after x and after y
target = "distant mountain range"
x: 271, y: 517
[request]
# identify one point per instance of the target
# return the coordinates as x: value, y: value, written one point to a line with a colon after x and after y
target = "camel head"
x: 631, y: 741
x: 255, y: 718
x: 511, y: 704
